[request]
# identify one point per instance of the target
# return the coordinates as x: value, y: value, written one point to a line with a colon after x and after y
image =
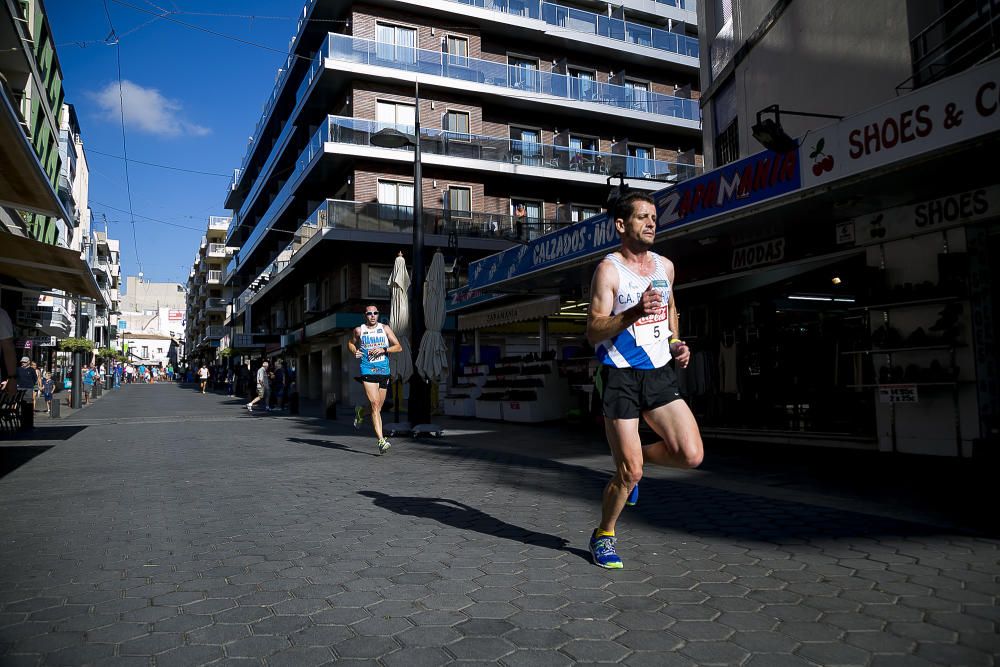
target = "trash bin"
x: 54, y: 409
x: 107, y: 381
x: 27, y: 413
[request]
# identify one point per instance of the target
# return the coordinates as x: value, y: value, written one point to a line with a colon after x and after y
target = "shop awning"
x: 23, y: 183
x: 36, y: 264
x: 514, y: 312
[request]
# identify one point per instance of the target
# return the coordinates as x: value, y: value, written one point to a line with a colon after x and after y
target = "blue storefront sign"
x: 749, y: 181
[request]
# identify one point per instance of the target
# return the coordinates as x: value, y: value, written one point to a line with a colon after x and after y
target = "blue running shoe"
x: 602, y: 550
x: 633, y: 497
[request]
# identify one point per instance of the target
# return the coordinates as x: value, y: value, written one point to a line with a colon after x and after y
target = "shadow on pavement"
x: 12, y: 458
x: 329, y: 444
x: 459, y: 515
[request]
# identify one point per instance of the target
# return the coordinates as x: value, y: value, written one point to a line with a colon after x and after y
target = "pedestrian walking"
x: 372, y: 343
x: 633, y: 327
x: 48, y: 388
x: 263, y: 388
x: 278, y: 385
x: 230, y: 381
x: 88, y: 383
x: 203, y: 377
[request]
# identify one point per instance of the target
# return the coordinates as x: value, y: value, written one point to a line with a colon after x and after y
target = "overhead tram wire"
x: 161, y: 166
x: 121, y: 109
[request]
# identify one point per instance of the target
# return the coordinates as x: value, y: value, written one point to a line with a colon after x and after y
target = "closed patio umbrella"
x: 401, y: 365
x: 432, y: 360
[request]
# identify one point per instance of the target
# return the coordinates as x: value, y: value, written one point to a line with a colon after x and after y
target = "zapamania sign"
x: 742, y: 183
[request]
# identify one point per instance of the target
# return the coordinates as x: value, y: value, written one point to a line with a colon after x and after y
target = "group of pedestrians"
x: 273, y: 387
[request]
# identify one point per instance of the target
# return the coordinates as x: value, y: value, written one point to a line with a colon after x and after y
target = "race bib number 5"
x: 654, y: 328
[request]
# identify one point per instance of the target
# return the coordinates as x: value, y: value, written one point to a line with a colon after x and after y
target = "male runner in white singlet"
x: 632, y: 325
x: 372, y: 343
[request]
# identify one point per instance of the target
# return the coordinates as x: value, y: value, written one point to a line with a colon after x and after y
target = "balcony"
x: 218, y: 221
x: 390, y: 218
x: 214, y: 277
x: 559, y: 159
x: 358, y: 132
x: 216, y: 303
x: 591, y: 23
x: 508, y: 77
x: 215, y: 331
x: 217, y: 250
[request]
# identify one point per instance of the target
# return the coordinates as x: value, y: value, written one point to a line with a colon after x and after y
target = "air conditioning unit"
x: 311, y: 298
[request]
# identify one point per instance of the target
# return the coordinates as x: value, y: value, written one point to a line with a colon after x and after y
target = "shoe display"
x: 633, y: 496
x: 383, y: 446
x: 359, y: 416
x: 602, y: 550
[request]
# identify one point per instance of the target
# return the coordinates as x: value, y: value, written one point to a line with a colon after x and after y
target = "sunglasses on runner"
x: 372, y: 312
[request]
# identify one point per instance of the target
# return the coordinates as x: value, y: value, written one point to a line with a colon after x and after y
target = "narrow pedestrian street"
x: 162, y: 527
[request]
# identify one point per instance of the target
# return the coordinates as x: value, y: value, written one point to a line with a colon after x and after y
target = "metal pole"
x: 419, y: 407
x: 76, y: 392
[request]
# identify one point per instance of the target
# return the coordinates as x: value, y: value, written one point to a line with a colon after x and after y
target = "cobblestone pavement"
x: 163, y: 527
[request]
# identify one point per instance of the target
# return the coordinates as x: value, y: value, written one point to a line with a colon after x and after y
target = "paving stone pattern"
x: 170, y: 528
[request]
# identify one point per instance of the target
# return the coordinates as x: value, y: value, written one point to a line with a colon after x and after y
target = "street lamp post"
x: 419, y: 403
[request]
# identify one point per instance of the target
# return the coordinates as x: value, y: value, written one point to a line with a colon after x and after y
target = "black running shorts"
x: 628, y: 392
x: 381, y: 380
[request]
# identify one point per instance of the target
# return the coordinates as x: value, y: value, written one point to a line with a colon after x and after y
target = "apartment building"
x: 207, y: 300
x: 42, y: 186
x: 836, y: 274
x: 526, y: 109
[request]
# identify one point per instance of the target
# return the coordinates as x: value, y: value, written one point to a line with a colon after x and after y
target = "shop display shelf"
x: 893, y: 350
x: 910, y: 302
x: 455, y: 406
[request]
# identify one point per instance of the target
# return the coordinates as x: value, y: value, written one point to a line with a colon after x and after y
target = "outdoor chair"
x: 10, y: 411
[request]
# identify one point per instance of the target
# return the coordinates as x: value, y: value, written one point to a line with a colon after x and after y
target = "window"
x: 460, y: 202
x: 523, y: 73
x: 395, y: 200
x: 583, y: 84
x: 637, y: 95
x: 376, y: 281
x: 457, y: 49
x: 582, y: 153
x: 578, y: 213
x: 456, y: 125
x: 145, y: 352
x: 528, y: 225
x: 727, y: 144
x: 345, y: 284
x: 525, y: 145
x: 395, y: 43
x: 640, y: 162
x: 396, y: 113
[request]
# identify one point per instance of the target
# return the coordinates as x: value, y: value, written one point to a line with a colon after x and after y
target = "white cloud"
x: 145, y: 110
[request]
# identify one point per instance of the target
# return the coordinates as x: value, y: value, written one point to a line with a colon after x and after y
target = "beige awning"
x: 514, y: 312
x: 36, y: 264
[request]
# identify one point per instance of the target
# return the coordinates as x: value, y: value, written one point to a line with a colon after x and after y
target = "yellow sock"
x: 604, y: 533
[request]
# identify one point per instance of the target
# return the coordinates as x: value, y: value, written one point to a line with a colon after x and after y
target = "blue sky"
x: 192, y: 99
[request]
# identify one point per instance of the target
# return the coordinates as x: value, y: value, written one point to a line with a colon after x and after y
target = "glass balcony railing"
x: 387, y: 218
x: 510, y: 77
x: 592, y: 23
x: 358, y: 131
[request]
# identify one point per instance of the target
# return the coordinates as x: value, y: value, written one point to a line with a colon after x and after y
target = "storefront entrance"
x: 778, y: 356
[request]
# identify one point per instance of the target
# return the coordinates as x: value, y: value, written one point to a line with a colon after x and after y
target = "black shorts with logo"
x: 628, y: 392
x: 381, y: 380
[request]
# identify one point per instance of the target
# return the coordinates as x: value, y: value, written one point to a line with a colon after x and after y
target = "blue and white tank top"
x: 374, y: 338
x: 645, y: 344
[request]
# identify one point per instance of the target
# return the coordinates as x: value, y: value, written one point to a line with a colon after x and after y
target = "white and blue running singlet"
x: 646, y: 344
x: 374, y: 337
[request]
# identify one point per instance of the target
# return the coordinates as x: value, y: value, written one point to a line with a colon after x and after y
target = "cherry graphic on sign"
x: 823, y: 162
